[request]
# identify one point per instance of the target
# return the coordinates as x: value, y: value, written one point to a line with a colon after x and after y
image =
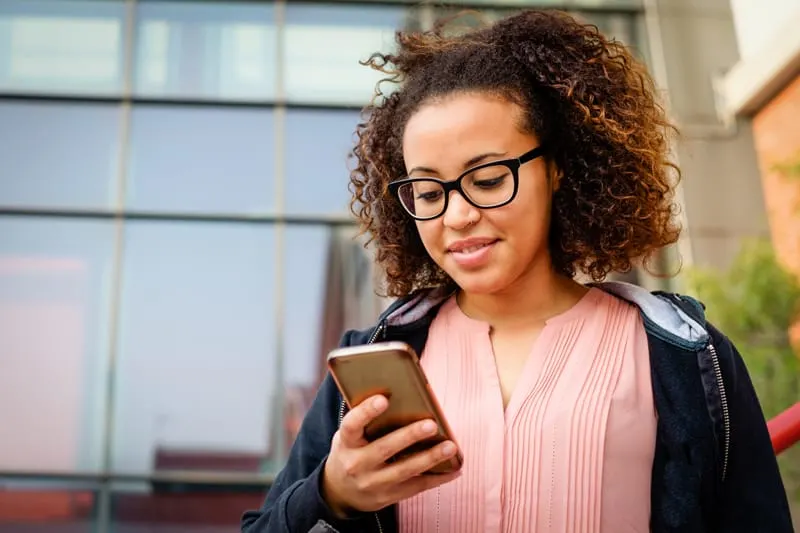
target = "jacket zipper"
x: 372, y: 339
x: 723, y: 400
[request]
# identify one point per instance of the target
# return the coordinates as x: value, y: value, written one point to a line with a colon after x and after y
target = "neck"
x: 534, y: 297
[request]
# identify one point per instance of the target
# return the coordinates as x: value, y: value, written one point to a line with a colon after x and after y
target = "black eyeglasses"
x: 485, y: 186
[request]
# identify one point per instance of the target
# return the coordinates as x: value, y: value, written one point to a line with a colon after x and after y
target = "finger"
x: 395, y: 442
x: 411, y: 467
x: 351, y: 430
x: 418, y: 484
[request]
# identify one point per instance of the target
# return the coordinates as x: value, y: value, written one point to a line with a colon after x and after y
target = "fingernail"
x: 448, y: 448
x: 429, y: 426
x: 379, y: 402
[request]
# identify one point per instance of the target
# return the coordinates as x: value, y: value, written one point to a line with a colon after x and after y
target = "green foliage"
x: 791, y: 168
x: 755, y: 303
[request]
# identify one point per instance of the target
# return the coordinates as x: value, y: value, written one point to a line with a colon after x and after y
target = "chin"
x: 479, y: 282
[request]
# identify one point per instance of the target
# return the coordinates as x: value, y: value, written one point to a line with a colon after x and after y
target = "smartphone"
x: 392, y: 369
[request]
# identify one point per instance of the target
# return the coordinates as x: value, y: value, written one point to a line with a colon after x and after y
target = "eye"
x: 430, y: 196
x: 490, y: 183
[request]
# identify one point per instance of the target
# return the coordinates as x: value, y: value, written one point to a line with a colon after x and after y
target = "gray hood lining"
x: 659, y: 311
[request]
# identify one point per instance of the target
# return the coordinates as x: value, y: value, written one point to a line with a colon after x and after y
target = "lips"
x: 471, y: 245
x: 472, y: 254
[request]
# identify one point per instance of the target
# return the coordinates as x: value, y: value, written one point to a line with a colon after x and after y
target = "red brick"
x: 776, y: 129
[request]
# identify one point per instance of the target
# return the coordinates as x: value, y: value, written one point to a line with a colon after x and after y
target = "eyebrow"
x: 470, y: 163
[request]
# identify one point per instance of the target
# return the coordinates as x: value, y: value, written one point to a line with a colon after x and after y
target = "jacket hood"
x: 677, y: 319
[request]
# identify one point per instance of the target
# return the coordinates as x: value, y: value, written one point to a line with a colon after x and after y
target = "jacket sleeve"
x: 293, y: 503
x: 753, y: 498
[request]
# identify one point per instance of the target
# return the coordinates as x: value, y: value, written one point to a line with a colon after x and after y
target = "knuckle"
x: 350, y: 466
x: 410, y: 435
x: 436, y: 454
x: 384, y: 450
x: 361, y: 485
x: 357, y: 412
x: 354, y: 414
x: 349, y: 422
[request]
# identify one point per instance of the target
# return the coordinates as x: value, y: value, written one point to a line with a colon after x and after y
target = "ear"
x: 554, y: 176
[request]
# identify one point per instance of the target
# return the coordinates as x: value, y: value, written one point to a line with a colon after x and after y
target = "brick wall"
x: 777, y: 138
x: 776, y: 129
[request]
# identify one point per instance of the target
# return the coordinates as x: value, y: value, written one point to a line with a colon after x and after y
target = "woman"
x: 510, y: 159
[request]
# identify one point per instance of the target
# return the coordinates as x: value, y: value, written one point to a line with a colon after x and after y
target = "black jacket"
x: 714, y: 468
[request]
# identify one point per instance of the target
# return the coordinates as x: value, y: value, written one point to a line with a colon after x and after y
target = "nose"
x: 460, y: 213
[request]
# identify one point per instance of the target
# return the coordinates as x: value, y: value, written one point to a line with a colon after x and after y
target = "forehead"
x: 464, y: 122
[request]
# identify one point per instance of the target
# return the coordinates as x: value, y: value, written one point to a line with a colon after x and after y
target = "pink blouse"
x: 573, y: 451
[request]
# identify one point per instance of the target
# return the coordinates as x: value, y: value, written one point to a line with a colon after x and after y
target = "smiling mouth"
x: 472, y: 249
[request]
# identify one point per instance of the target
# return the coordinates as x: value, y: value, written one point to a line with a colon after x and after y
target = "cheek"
x: 525, y: 219
x: 430, y: 233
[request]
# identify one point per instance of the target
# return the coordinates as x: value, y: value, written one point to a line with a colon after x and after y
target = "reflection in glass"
x: 206, y: 49
x: 62, y: 46
x: 47, y: 507
x: 324, y: 44
x: 58, y: 154
x: 54, y: 298
x: 191, y: 159
x: 194, y: 383
x: 329, y: 288
x: 317, y: 146
x: 180, y: 510
x: 619, y: 25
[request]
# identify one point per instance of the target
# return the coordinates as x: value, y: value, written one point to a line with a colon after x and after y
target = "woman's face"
x: 484, y: 250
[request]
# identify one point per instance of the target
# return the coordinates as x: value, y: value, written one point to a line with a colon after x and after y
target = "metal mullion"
x: 178, y: 101
x: 208, y: 477
x: 342, y: 219
x: 277, y: 402
x: 104, y: 497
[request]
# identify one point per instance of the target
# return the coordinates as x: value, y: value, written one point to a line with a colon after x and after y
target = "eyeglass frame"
x: 512, y: 164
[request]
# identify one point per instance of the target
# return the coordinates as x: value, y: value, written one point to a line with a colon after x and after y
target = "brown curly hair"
x: 587, y: 99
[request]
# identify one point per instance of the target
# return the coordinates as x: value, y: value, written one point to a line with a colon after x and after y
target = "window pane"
x: 324, y: 44
x: 58, y: 154
x: 63, y: 46
x: 211, y: 510
x: 47, y: 507
x: 214, y: 49
x: 196, y: 356
x: 201, y: 160
x: 54, y: 296
x: 317, y: 147
x: 329, y: 288
x: 620, y: 27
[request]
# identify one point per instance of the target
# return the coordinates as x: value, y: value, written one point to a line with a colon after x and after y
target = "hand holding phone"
x: 357, y: 476
x: 395, y: 441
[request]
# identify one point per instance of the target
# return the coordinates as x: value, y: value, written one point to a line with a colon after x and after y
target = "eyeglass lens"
x: 484, y: 187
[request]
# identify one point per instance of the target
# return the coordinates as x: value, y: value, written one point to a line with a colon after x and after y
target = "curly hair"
x: 587, y: 99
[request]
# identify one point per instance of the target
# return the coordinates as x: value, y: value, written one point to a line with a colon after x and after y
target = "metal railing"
x: 784, y: 429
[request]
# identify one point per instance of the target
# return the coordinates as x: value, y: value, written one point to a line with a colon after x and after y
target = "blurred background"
x: 176, y: 255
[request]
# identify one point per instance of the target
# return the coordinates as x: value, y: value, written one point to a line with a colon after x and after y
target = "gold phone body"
x: 392, y: 369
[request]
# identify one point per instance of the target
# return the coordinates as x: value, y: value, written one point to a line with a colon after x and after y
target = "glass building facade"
x: 176, y: 255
